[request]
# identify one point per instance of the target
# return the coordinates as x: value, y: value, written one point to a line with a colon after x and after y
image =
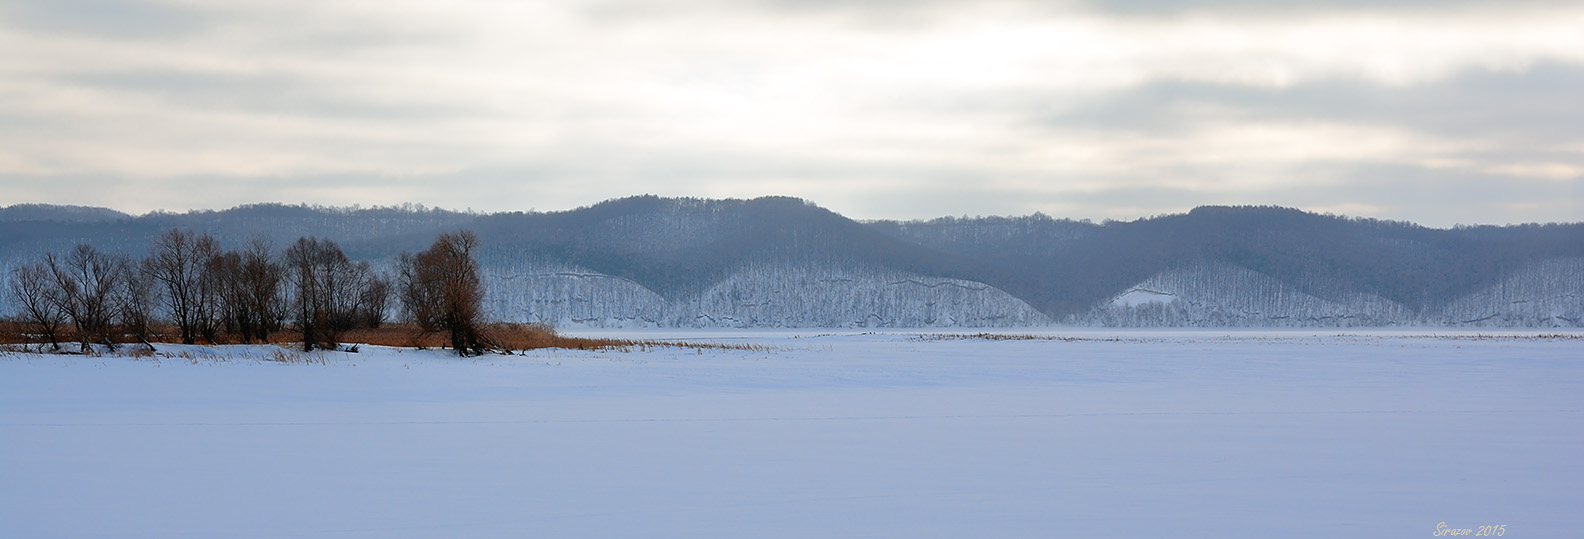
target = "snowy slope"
x: 1224, y: 295
x: 765, y: 295
x: 1116, y: 434
x: 780, y: 296
x: 1548, y: 293
x: 651, y: 261
x: 565, y: 296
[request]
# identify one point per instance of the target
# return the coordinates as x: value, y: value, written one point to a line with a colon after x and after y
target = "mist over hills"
x: 779, y: 261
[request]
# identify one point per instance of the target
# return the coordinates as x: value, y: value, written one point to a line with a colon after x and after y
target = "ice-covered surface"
x: 1187, y: 433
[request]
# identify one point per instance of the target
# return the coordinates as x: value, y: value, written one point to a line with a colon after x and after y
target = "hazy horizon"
x: 419, y: 206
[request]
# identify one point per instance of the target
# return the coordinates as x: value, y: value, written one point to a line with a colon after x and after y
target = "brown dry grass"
x: 13, y: 332
x: 508, y: 338
x: 397, y: 335
x: 503, y: 337
x: 517, y: 337
x: 1009, y: 337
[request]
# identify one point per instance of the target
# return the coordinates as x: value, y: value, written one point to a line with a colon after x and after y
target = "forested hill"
x: 691, y: 260
x: 29, y: 229
x: 678, y: 247
x: 1064, y: 267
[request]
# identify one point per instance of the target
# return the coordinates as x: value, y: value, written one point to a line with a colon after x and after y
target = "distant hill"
x: 779, y: 261
x: 1066, y: 267
x: 681, y: 246
x: 59, y: 214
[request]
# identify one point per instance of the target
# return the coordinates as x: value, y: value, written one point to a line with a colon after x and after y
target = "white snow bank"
x: 1131, y: 434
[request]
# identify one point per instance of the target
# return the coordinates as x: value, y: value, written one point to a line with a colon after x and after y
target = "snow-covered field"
x: 1118, y: 434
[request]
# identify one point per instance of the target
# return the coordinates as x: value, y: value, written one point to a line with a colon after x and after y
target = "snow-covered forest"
x: 780, y: 262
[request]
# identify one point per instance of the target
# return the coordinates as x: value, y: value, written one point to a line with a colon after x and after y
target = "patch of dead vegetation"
x: 930, y: 337
x: 13, y: 332
x: 511, y: 338
x: 1508, y: 337
x: 505, y: 338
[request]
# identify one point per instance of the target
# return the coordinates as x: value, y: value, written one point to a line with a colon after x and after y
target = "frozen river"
x: 821, y: 433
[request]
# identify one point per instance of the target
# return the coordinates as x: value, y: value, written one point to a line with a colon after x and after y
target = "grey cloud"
x: 873, y: 14
x: 267, y: 93
x: 1442, y: 197
x: 1537, y: 105
x: 1434, y: 197
x: 1528, y: 113
x: 1428, y: 196
x: 1267, y: 7
x: 117, y: 18
x: 152, y: 20
x: 1431, y: 196
x: 915, y: 12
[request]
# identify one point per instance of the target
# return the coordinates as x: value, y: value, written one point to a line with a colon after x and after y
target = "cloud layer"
x: 1457, y: 112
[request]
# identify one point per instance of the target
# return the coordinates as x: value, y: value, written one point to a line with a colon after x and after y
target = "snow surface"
x: 756, y: 295
x: 1225, y: 295
x: 1138, y: 296
x: 1546, y: 293
x: 1549, y: 293
x: 1185, y: 433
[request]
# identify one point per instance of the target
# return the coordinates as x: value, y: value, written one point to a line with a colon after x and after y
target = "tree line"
x: 204, y: 293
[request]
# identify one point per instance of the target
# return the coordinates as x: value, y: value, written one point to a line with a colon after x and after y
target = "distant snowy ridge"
x: 781, y: 296
x: 756, y: 296
x: 778, y: 261
x: 1135, y: 297
x: 562, y: 296
x: 1549, y: 293
x: 1208, y: 294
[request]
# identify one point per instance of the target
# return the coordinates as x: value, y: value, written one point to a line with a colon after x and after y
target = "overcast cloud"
x: 1438, y: 112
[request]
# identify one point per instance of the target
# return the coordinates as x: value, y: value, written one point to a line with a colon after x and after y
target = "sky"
x: 1440, y: 112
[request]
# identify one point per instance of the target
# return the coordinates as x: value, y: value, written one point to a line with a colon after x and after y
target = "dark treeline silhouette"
x: 363, y: 233
x: 212, y: 295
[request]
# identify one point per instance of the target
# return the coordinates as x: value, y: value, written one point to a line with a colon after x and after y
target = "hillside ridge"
x: 673, y: 253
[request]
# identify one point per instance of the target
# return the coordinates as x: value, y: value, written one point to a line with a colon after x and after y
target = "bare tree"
x: 261, y: 279
x: 134, y: 300
x: 441, y: 290
x: 178, y: 263
x: 348, y: 286
x: 249, y: 285
x: 302, y: 261
x: 33, y: 288
x: 208, y: 309
x: 226, y: 270
x: 86, y: 279
x: 419, y: 290
x: 328, y: 290
x: 374, y: 301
